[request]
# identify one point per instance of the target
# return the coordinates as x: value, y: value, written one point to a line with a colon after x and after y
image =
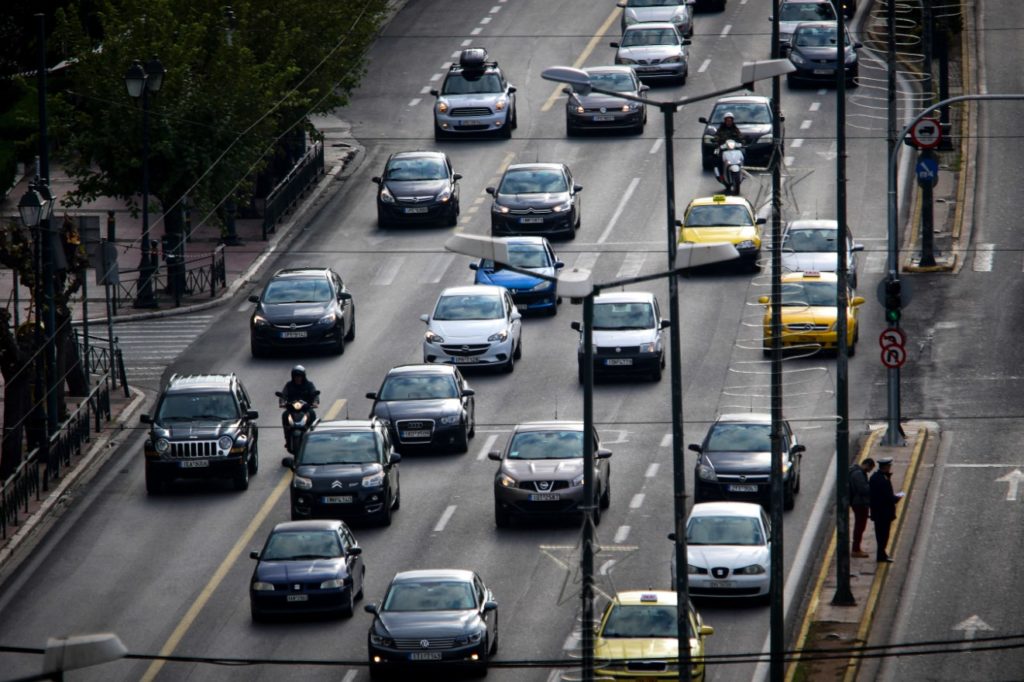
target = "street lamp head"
x: 135, y: 79
x: 154, y: 74
x: 49, y: 200
x: 765, y: 68
x: 577, y: 78
x: 488, y: 248
x: 81, y: 651
x: 31, y: 208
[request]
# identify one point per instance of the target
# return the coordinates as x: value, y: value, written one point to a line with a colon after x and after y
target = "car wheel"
x: 362, y: 584
x: 453, y: 216
x: 796, y: 481
x: 570, y: 129
x: 462, y: 440
x: 502, y: 518
x: 377, y: 673
x: 707, y: 162
x: 509, y: 366
x: 656, y: 373
x: 789, y: 498
x: 766, y: 348
x: 639, y: 129
x: 385, y: 512
x: 382, y: 220
x: 349, y: 607
x: 596, y: 513
x: 518, y: 354
x: 254, y: 459
x: 257, y: 617
x: 339, y: 347
x: 154, y: 482
x: 682, y: 80
x: 255, y: 350
x: 579, y: 373
x: 851, y: 349
x: 553, y: 310
x: 515, y: 118
x: 438, y: 133
x: 505, y: 132
x: 241, y: 479
x: 350, y: 333
x: 791, y: 81
x: 472, y: 424
x: 606, y: 494
x: 397, y: 504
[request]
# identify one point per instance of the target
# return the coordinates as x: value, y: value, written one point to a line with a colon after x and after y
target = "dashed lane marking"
x: 656, y: 146
x: 445, y: 517
x: 488, y: 446
x: 652, y: 470
x: 725, y: 31
x: 619, y: 209
x: 621, y: 534
x: 414, y: 101
x: 797, y: 143
x: 704, y: 66
x: 814, y: 106
x: 805, y: 124
x: 666, y: 440
x: 637, y: 501
x: 983, y: 257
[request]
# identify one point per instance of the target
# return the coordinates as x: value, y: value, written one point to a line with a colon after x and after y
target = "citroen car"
x: 656, y: 50
x: 813, y: 52
x: 541, y: 472
x: 426, y: 406
x: 628, y: 332
x: 809, y: 314
x: 302, y: 308
x: 793, y: 12
x: 475, y: 98
x: 530, y: 254
x: 307, y: 567
x: 734, y: 461
x: 599, y: 111
x: 678, y: 12
x: 728, y: 550
x: 810, y: 245
x: 722, y: 218
x: 433, y: 620
x: 474, y: 325
x: 753, y: 115
x: 417, y: 187
x: 638, y: 638
x: 536, y: 199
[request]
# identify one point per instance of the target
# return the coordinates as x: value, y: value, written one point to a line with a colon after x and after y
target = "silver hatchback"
x: 655, y: 50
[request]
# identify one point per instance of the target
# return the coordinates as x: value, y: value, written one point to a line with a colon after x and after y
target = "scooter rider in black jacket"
x: 299, y: 388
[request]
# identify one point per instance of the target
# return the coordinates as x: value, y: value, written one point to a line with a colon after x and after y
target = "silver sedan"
x: 655, y: 50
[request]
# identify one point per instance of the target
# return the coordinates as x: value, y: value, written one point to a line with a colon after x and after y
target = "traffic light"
x: 893, y: 302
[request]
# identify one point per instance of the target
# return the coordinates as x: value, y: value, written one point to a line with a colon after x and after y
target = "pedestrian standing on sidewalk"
x: 883, y: 506
x: 860, y: 502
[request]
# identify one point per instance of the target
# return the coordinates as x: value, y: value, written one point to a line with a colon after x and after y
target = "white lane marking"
x: 246, y: 305
x: 495, y: 9
x: 350, y: 676
x: 666, y: 440
x: 605, y: 567
x: 621, y: 534
x: 445, y: 517
x: 797, y: 143
x: 455, y: 55
x: 476, y: 31
x: 631, y: 265
x: 414, y: 101
x: 485, y: 20
x: 875, y: 263
x: 435, y: 271
x: 572, y: 641
x: 619, y: 209
x: 983, y: 257
x: 586, y: 261
x: 386, y: 274
x: 488, y: 446
x: 656, y: 146
x: 704, y: 66
x: 445, y: 66
x: 466, y: 43
x: 789, y: 160
x: 814, y: 106
x: 652, y: 470
x: 637, y: 501
x: 725, y: 31
x: 425, y: 90
x: 805, y: 124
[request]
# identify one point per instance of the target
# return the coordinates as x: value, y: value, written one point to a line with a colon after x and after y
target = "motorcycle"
x: 298, y: 417
x: 729, y: 168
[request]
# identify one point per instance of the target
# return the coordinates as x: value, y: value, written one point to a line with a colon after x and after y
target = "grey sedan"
x: 598, y: 111
x: 679, y: 12
x: 810, y: 245
x: 655, y: 50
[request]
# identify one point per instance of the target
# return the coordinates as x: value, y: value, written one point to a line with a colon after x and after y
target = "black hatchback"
x: 417, y: 187
x: 302, y: 308
x: 536, y: 199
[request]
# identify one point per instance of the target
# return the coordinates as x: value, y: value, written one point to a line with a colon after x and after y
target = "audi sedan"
x: 656, y: 50
x: 536, y: 199
x: 599, y: 111
x: 302, y: 308
x: 529, y: 293
x: 426, y: 406
x: 417, y: 187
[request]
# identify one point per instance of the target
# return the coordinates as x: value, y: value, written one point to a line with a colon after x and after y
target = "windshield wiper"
x: 216, y: 417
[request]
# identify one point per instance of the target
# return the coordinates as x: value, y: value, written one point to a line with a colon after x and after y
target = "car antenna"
x: 556, y: 408
x: 346, y: 411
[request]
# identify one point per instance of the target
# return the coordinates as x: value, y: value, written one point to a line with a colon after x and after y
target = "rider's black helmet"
x: 298, y: 371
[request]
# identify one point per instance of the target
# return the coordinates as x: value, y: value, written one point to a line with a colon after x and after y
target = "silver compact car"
x: 600, y: 111
x: 628, y: 331
x: 474, y: 325
x: 792, y: 12
x: 655, y: 50
x: 475, y: 98
x: 678, y: 12
x: 810, y: 246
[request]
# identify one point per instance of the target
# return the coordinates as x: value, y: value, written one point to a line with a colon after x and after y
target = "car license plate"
x: 545, y: 497
x: 604, y: 118
x: 194, y: 463
x: 459, y: 360
x: 416, y: 209
x: 338, y: 499
x: 293, y: 335
x: 725, y: 583
x: 822, y: 72
x: 415, y: 434
x: 618, y: 362
x: 297, y: 597
x: 425, y: 656
x: 531, y: 220
x: 743, y: 488
x: 646, y: 68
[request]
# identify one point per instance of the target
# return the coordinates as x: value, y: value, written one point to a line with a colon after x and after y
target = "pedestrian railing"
x: 294, y: 185
x: 202, y: 273
x: 102, y: 360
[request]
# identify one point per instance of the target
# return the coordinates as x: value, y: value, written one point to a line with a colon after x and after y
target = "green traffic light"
x: 892, y: 315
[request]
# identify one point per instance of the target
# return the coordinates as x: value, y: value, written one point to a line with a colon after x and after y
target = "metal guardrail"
x: 209, y: 276
x: 294, y: 185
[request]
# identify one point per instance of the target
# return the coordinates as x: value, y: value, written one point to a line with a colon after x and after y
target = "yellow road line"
x: 582, y: 59
x: 336, y: 409
x: 246, y: 538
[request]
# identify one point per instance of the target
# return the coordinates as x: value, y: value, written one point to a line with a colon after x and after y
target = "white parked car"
x: 474, y: 325
x: 728, y: 550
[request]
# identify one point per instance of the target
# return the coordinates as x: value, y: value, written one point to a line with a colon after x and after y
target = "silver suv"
x: 474, y: 98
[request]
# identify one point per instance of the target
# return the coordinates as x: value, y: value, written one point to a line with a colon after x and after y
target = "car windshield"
x: 650, y: 36
x: 619, y: 82
x: 469, y: 307
x: 718, y: 215
x: 460, y: 84
x: 417, y: 169
x: 302, y: 545
x: 418, y: 388
x: 546, y: 445
x: 809, y: 294
x: 810, y: 241
x: 522, y: 256
x: 724, y: 530
x: 729, y: 437
x: 623, y: 316
x: 640, y: 620
x: 435, y: 595
x: 339, y: 448
x: 297, y: 291
x: 533, y: 182
x: 816, y: 36
x: 653, y: 3
x: 807, y: 11
x: 749, y: 112
x: 188, y: 406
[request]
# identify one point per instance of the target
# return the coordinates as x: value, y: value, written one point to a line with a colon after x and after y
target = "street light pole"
x: 587, y: 559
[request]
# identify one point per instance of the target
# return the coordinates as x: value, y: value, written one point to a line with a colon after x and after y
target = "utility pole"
x: 46, y: 250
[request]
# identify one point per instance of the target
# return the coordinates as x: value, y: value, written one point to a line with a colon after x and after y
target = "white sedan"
x: 728, y: 550
x: 474, y: 325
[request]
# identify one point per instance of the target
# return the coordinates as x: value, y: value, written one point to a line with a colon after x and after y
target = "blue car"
x: 528, y: 292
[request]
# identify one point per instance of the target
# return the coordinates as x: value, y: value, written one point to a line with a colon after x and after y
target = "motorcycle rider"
x: 727, y: 131
x: 299, y: 388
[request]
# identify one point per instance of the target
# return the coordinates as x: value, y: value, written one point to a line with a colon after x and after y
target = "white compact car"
x: 474, y: 325
x: 728, y: 550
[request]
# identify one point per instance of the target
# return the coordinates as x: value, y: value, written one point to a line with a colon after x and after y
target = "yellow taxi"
x: 719, y: 218
x: 809, y: 313
x: 637, y: 641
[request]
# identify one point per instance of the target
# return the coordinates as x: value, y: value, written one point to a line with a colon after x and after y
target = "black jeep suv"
x: 203, y: 427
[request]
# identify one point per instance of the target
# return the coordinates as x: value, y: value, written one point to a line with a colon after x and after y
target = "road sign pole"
x: 927, y: 224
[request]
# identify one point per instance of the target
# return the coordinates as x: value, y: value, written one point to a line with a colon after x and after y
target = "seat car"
x: 637, y: 638
x: 734, y: 461
x: 474, y: 325
x: 678, y: 12
x: 655, y: 50
x: 627, y: 333
x: 541, y: 472
x: 793, y: 12
x: 417, y: 187
x: 728, y: 547
x: 529, y: 293
x: 475, y: 98
x: 307, y: 567
x: 599, y: 111
x: 753, y: 115
x: 345, y: 470
x: 813, y: 53
x: 426, y: 406
x: 810, y: 246
x: 302, y: 308
x: 722, y: 218
x: 536, y: 199
x: 203, y: 427
x: 433, y: 620
x: 809, y: 314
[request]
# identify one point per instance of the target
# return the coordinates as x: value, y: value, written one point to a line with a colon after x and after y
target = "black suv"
x: 302, y: 308
x: 735, y: 461
x: 345, y: 470
x: 203, y: 427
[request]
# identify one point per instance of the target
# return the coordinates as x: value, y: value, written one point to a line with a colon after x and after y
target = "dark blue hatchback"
x: 529, y: 293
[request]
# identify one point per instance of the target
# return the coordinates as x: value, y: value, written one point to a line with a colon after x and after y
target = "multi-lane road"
x: 169, y: 574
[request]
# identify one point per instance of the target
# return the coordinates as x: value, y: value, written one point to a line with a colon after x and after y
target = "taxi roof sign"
x: 649, y: 597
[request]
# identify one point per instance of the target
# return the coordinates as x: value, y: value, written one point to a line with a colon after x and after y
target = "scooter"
x: 729, y: 169
x: 299, y: 415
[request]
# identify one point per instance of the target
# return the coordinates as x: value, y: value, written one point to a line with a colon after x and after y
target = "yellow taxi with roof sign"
x: 721, y: 218
x: 810, y: 313
x: 637, y: 639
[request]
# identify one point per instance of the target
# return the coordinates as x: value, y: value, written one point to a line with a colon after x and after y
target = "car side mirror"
x: 254, y: 299
x: 516, y: 315
x: 394, y: 458
x: 254, y: 555
x: 577, y: 326
x: 687, y: 42
x: 644, y: 87
x: 706, y: 631
x: 371, y: 395
x: 490, y: 606
x: 435, y: 92
x: 672, y: 537
x: 856, y: 301
x: 799, y: 449
x: 695, y: 448
x: 665, y: 324
x: 474, y: 266
x: 856, y: 247
x: 603, y: 454
x: 468, y: 392
x: 288, y: 462
x: 354, y: 551
x: 620, y: 4
x: 344, y: 296
x: 145, y: 419
x: 495, y: 455
x: 760, y: 221
x: 764, y: 300
x: 613, y: 44
x: 457, y: 176
x: 567, y: 90
x: 771, y: 18
x: 425, y: 318
x: 511, y: 89
x: 490, y: 190
x: 702, y: 119
x: 375, y: 179
x: 252, y: 414
x: 559, y: 265
x: 857, y: 46
x: 577, y: 188
x: 370, y: 608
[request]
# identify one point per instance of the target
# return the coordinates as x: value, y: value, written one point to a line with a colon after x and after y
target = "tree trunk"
x: 70, y: 363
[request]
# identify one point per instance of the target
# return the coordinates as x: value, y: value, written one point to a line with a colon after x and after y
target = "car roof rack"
x: 474, y: 59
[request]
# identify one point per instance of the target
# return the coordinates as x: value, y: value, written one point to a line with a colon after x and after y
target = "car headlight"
x: 562, y: 208
x: 374, y: 480
x: 706, y: 473
x: 262, y: 587
x: 471, y: 638
x: 442, y: 106
x: 506, y: 481
x: 648, y: 347
x: 746, y: 244
x: 674, y: 59
x: 543, y: 286
x: 225, y: 442
x: 624, y: 60
x: 500, y: 336
x: 332, y: 584
x: 696, y: 570
x: 161, y: 445
x: 498, y: 208
x: 302, y: 483
x: 431, y: 337
x: 386, y: 196
x: 380, y: 640
x: 500, y: 104
x: 329, y: 318
x: 450, y: 420
x: 577, y: 481
x: 765, y: 139
x: 753, y: 569
x: 444, y: 195
x: 260, y: 321
x: 578, y: 109
x: 796, y: 58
